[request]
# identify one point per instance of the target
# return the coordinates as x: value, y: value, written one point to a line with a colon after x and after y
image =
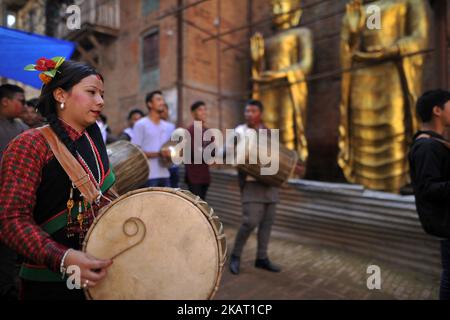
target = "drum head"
x: 179, y: 255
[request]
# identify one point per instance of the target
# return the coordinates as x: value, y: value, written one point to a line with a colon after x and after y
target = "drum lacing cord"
x: 103, y: 196
x: 98, y: 202
x: 220, y: 234
x: 211, y: 215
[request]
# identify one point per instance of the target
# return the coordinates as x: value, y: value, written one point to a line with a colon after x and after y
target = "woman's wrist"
x: 63, y: 268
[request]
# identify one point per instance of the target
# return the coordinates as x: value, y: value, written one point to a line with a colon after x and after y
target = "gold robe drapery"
x: 280, y: 65
x: 378, y: 97
x: 285, y: 95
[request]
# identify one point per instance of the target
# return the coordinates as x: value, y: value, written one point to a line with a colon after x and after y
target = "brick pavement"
x: 312, y: 272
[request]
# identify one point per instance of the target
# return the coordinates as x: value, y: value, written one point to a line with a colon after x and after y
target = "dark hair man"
x: 197, y: 176
x: 429, y: 160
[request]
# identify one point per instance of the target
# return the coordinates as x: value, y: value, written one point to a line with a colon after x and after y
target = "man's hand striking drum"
x: 92, y: 270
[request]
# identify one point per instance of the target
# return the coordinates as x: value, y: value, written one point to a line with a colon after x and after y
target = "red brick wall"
x: 203, y: 62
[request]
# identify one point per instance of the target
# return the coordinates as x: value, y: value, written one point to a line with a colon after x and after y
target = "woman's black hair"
x: 68, y: 75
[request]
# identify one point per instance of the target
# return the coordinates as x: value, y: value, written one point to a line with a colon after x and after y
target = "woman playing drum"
x: 42, y: 215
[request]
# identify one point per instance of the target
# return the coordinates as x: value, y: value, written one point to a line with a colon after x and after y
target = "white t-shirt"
x: 150, y: 137
x: 129, y: 132
x: 103, y: 128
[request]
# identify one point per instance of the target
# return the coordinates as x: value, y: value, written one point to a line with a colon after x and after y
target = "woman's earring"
x: 62, y: 106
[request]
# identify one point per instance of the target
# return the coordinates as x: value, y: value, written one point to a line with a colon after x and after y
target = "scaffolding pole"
x: 334, y: 73
x: 326, y: 16
x: 180, y: 8
x: 262, y: 21
x: 194, y: 25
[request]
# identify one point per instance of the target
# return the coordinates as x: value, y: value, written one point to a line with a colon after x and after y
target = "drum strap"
x: 79, y: 177
x: 427, y: 136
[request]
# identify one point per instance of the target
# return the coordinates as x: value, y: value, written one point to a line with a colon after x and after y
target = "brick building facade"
x: 172, y: 45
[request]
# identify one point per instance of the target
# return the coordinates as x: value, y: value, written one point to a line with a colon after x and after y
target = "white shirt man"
x: 150, y: 133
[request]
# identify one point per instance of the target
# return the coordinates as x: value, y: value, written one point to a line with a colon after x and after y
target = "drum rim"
x: 197, y: 202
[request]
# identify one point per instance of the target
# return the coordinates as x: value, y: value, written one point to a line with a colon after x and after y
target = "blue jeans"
x: 158, y: 182
x: 174, y: 177
x: 444, y: 293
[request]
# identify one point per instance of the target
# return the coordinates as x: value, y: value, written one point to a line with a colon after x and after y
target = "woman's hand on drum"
x: 92, y: 270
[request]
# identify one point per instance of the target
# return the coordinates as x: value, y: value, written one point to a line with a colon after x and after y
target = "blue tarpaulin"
x: 18, y: 49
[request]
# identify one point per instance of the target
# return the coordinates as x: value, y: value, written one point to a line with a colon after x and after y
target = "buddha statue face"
x: 284, y: 17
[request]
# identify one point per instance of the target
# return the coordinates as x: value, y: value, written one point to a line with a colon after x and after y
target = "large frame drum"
x: 165, y: 244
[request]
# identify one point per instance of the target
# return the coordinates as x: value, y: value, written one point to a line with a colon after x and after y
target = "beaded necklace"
x: 81, y: 225
x: 81, y: 221
x: 99, y: 174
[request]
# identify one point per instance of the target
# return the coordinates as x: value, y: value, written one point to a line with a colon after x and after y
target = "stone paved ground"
x: 316, y: 273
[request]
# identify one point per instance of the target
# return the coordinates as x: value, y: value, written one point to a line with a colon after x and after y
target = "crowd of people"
x: 149, y: 130
x: 35, y: 190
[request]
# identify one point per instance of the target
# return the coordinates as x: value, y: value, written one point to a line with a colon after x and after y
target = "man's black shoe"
x: 234, y: 264
x: 266, y: 265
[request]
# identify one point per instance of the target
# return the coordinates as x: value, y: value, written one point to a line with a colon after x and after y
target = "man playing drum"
x: 258, y: 202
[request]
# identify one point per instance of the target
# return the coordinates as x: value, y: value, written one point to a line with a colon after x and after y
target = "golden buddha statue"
x: 279, y: 67
x: 378, y: 96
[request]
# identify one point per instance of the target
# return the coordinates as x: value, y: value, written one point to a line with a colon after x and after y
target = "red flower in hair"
x: 49, y: 68
x: 44, y: 64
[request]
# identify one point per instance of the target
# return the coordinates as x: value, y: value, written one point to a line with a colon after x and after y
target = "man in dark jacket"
x: 12, y: 104
x: 429, y: 160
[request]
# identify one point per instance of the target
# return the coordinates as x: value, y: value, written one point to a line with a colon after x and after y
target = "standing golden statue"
x: 378, y: 96
x: 279, y: 67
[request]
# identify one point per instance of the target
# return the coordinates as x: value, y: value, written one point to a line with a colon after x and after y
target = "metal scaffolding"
x: 179, y: 9
x: 243, y: 47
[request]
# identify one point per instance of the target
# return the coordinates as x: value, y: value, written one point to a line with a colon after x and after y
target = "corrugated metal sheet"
x: 381, y: 225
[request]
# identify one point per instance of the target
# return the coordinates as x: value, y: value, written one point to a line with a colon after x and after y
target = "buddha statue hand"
x: 257, y: 52
x: 270, y: 75
x: 377, y: 54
